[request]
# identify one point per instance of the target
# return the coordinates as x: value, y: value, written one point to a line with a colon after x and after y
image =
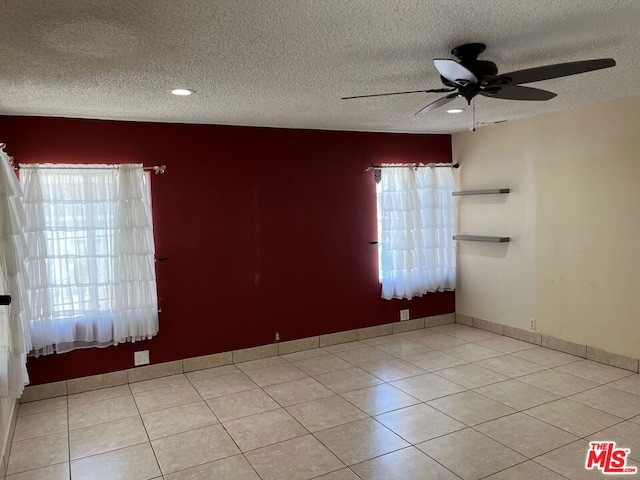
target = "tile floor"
x: 443, y: 403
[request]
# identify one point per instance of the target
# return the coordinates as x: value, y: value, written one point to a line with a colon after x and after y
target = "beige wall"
x: 574, y: 218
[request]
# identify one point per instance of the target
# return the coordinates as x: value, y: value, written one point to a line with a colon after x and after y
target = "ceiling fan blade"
x: 454, y: 72
x: 437, y: 104
x: 433, y: 90
x: 516, y: 92
x: 548, y: 72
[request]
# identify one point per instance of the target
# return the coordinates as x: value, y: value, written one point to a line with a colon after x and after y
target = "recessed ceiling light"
x: 182, y: 92
x: 455, y: 110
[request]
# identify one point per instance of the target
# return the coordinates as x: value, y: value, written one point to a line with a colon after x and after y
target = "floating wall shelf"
x: 493, y: 191
x: 481, y: 238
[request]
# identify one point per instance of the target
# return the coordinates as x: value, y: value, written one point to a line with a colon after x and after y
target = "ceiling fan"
x: 470, y: 77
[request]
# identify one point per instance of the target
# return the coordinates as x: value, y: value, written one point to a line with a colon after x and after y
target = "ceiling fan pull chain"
x: 473, y: 115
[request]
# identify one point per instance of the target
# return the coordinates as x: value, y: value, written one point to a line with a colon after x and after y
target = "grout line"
x: 68, y: 435
x: 153, y: 450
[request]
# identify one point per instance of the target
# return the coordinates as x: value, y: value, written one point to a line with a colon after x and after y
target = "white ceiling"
x: 284, y: 63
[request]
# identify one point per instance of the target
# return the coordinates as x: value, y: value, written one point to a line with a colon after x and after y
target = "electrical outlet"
x: 532, y: 323
x: 277, y: 337
x: 404, y: 314
x: 141, y: 358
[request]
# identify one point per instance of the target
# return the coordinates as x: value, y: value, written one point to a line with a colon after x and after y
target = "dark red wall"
x: 265, y: 229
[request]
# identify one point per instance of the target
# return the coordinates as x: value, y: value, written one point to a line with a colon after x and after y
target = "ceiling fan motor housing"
x: 468, y: 56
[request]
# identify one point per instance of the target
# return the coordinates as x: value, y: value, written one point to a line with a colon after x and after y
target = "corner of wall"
x: 9, y: 411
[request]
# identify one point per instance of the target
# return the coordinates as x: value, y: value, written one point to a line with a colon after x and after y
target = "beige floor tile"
x: 569, y: 461
x: 505, y: 344
x: 428, y: 387
x: 558, y: 382
x: 526, y: 471
x: 305, y: 354
x: 106, y: 437
x: 275, y: 374
x: 198, y: 375
x: 40, y: 424
x: 348, y: 380
x: 594, y: 371
x: 526, y: 435
x: 344, y: 474
x: 375, y: 341
x: 343, y: 347
x: 131, y: 463
x: 103, y: 411
x: 438, y: 341
x: 297, y: 459
x: 436, y: 360
x: 610, y: 400
x: 230, y: 468
x: 261, y: 363
x: 98, y: 395
x: 482, y: 456
x: 165, y: 398
x: 415, y: 466
x: 379, y: 399
x: 473, y: 334
x: 471, y: 352
x: 625, y: 434
x: 40, y: 406
x: 298, y: 391
x: 404, y: 348
x: 629, y: 384
x: 546, y: 357
x: 193, y: 448
x: 264, y: 429
x: 162, y: 382
x: 510, y: 366
x: 573, y: 417
x: 321, y: 365
x: 415, y: 334
x: 516, y: 394
x: 174, y: 420
x: 219, y: 386
x: 390, y: 370
x: 449, y: 328
x: 242, y: 404
x: 471, y: 408
x: 419, y: 423
x: 59, y: 471
x: 358, y: 441
x: 325, y: 413
x: 364, y: 355
x: 38, y: 452
x: 471, y: 376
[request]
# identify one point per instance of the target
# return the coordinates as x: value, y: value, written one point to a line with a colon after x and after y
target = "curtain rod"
x: 158, y: 169
x: 414, y: 165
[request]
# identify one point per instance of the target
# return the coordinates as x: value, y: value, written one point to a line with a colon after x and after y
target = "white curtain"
x: 14, y: 331
x: 90, y: 257
x: 416, y: 223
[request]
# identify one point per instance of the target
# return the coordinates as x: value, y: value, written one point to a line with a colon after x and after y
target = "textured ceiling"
x: 287, y: 63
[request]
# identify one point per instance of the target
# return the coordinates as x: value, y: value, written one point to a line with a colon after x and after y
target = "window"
x: 90, y: 260
x: 416, y: 222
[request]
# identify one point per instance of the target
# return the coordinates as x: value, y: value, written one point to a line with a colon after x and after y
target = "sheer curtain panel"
x: 15, y: 341
x: 90, y: 257
x: 416, y: 222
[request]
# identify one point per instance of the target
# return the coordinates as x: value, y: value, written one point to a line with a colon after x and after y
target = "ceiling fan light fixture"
x: 182, y: 92
x: 455, y: 110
